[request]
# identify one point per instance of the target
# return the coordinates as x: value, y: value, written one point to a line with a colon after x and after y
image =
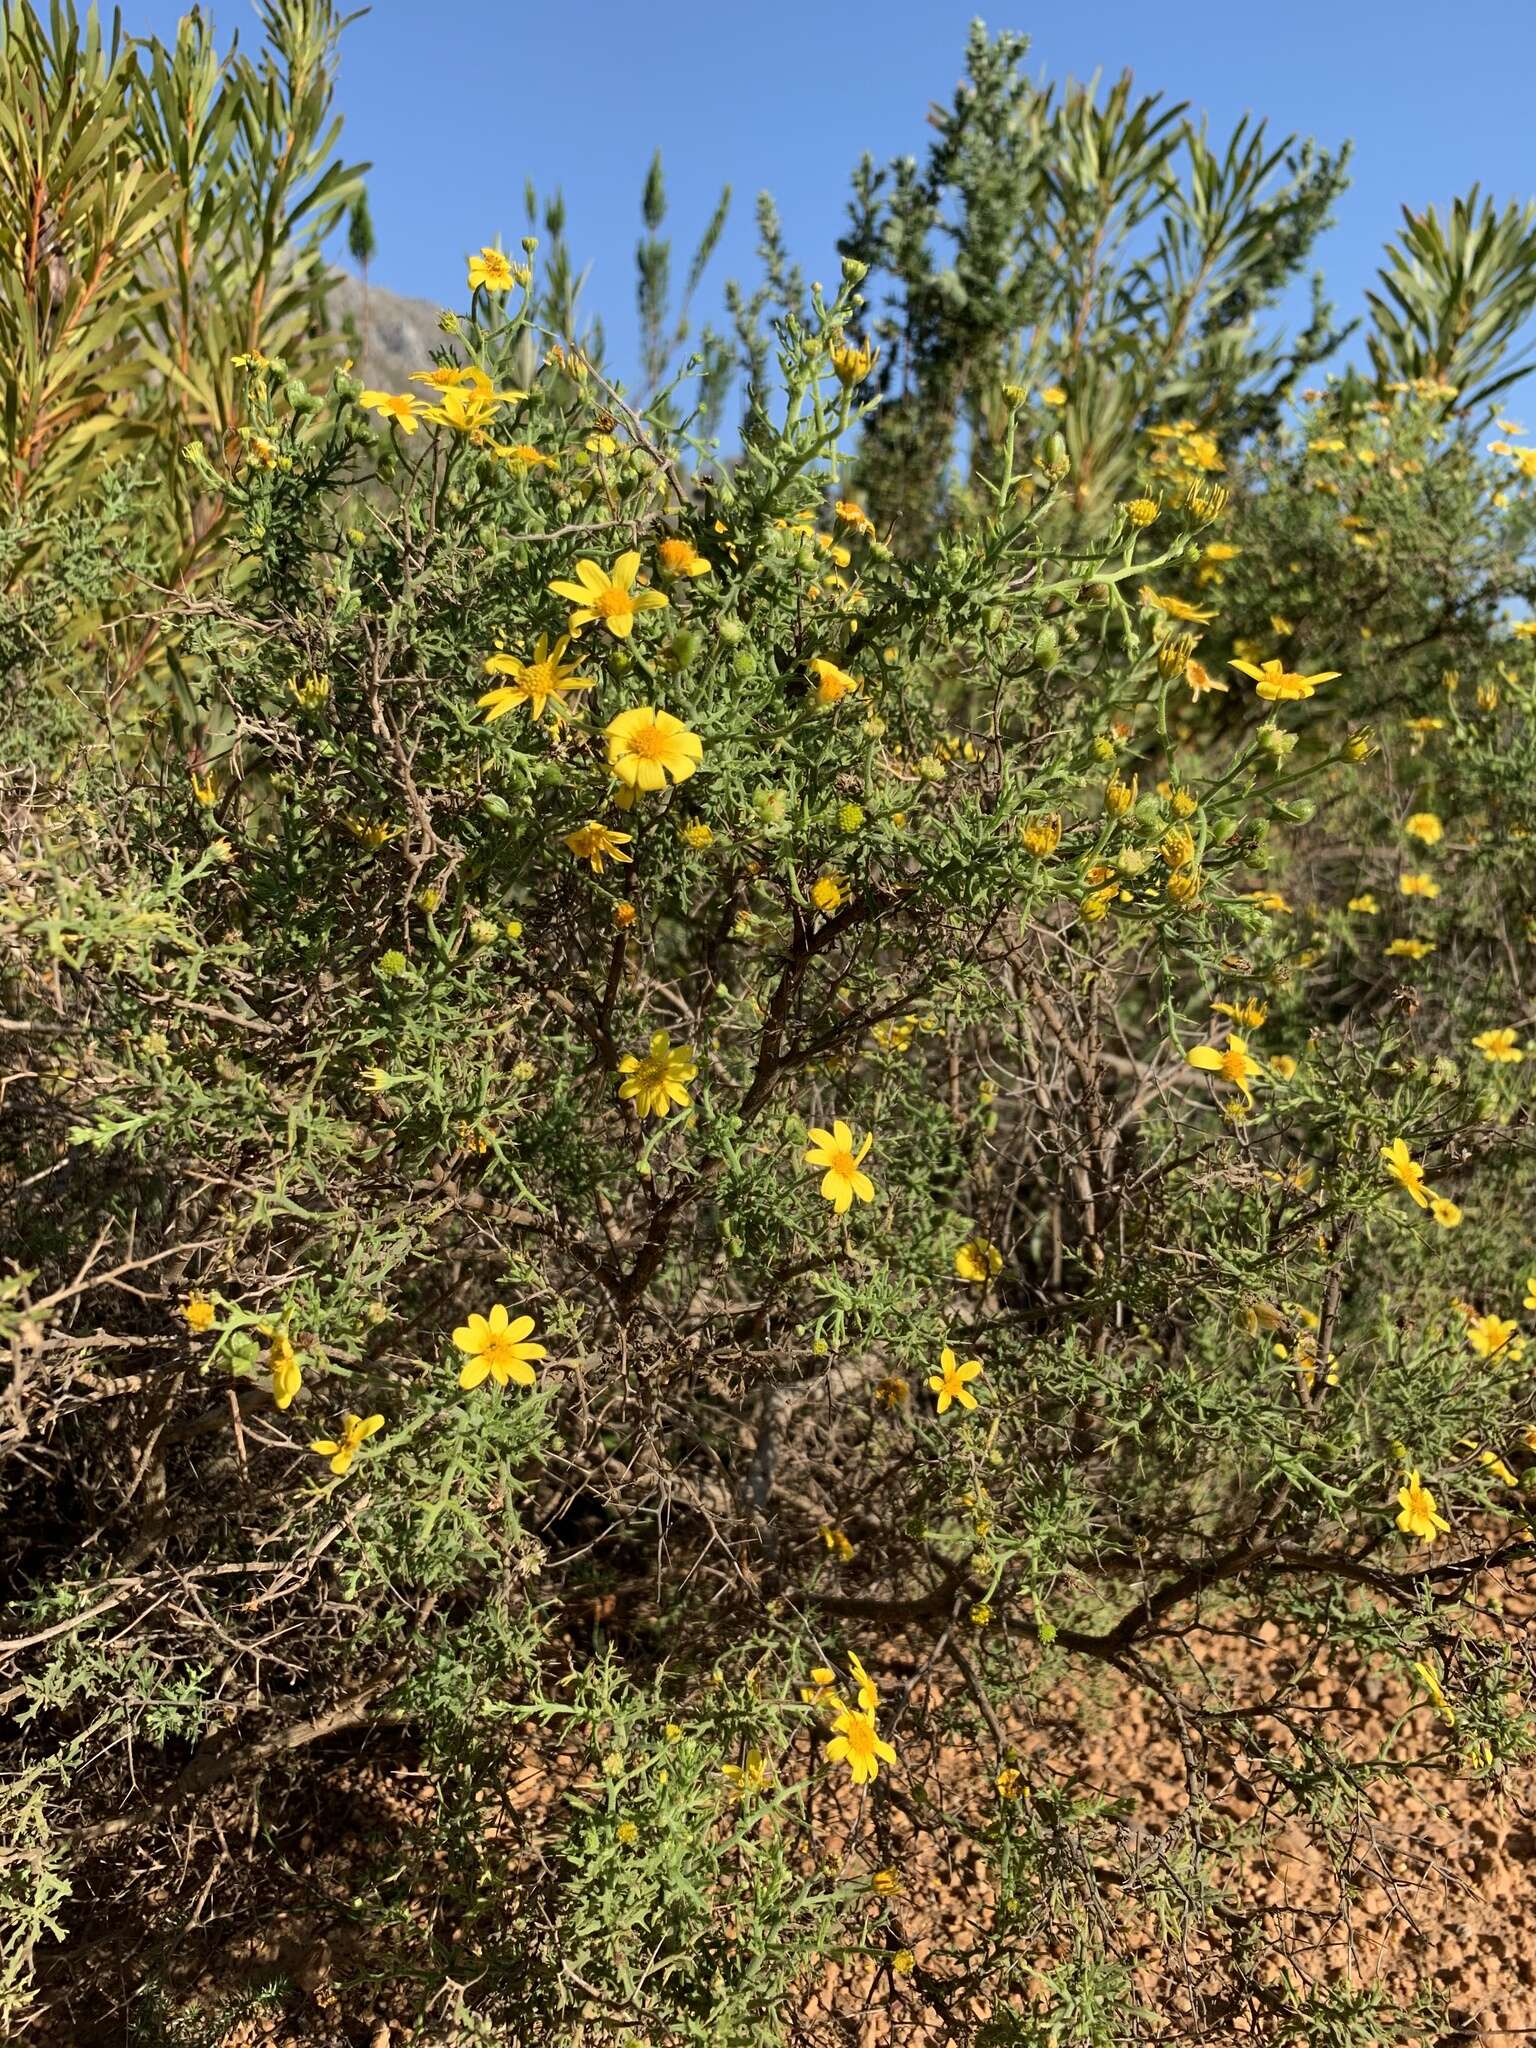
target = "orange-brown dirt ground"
x: 1451, y: 1908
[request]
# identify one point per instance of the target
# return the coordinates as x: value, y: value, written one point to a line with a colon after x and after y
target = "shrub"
x: 691, y: 1164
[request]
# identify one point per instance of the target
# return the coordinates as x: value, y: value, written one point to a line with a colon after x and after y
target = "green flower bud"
x: 731, y: 630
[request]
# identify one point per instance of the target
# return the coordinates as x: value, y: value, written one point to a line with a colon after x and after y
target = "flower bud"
x: 731, y: 630
x: 448, y: 323
x: 1055, y: 461
x: 1047, y: 645
x: 1276, y: 741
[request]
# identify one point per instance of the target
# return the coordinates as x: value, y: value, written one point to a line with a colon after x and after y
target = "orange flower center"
x: 675, y: 554
x: 843, y: 1164
x: 500, y: 1353
x: 613, y: 603
x: 649, y: 742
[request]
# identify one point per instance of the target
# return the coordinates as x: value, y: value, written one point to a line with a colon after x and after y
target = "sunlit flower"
x: 544, y: 680
x: 1419, y: 885
x: 1502, y: 1047
x: 1277, y: 684
x: 1174, y: 607
x: 1200, y: 679
x: 842, y: 1179
x: 1249, y: 1012
x: 595, y: 843
x: 1429, y: 1679
x: 952, y: 1381
x: 497, y: 1345
x: 608, y: 596
x: 1364, y: 905
x: 1444, y: 1211
x: 399, y: 407
x: 645, y: 746
x: 1490, y: 1333
x: 856, y: 1743
x: 655, y: 1080
x: 851, y: 361
x: 977, y: 1261
x: 1424, y: 825
x: 1405, y: 1170
x: 838, y: 1543
x: 678, y: 557
x: 748, y: 1778
x: 1231, y: 1063
x: 1419, y: 1516
x: 833, y: 684
x: 494, y: 271
x: 283, y: 1364
x: 1042, y: 836
x: 355, y: 1432
x: 829, y: 892
x: 1409, y: 949
x: 198, y: 1313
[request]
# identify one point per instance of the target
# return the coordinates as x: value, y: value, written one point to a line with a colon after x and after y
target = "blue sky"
x: 458, y: 104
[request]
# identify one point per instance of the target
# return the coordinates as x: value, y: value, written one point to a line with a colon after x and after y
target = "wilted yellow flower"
x: 608, y: 596
x: 952, y: 1382
x: 1120, y: 795
x: 1200, y: 680
x: 497, y: 1346
x: 842, y: 1180
x: 851, y: 361
x: 355, y: 1431
x: 1418, y: 1514
x: 747, y: 1778
x: 1177, y: 846
x: 595, y: 843
x: 1042, y: 836
x: 1429, y: 1679
x: 1142, y: 511
x: 838, y: 1543
x: 645, y: 746
x: 655, y: 1081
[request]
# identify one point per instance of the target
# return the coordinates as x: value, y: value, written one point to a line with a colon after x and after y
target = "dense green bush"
x: 999, y: 1093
